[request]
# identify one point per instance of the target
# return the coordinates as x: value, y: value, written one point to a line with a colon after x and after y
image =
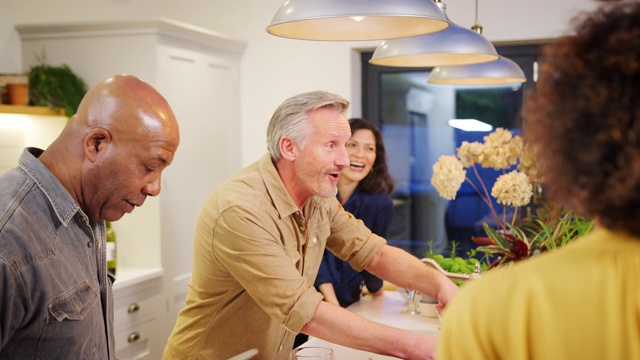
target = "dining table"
x: 384, y: 309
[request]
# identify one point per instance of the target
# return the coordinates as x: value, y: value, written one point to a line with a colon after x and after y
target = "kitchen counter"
x: 386, y: 310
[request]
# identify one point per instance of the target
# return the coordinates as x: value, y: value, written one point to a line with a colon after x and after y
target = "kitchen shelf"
x: 30, y: 110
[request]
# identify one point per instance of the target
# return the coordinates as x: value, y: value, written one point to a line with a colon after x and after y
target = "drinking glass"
x: 312, y: 353
x: 411, y: 308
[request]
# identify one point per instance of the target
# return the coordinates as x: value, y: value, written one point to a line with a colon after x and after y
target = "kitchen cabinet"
x: 138, y: 313
x: 197, y: 70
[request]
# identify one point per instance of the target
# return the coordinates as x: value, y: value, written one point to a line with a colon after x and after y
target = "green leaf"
x: 493, y: 249
x: 497, y: 238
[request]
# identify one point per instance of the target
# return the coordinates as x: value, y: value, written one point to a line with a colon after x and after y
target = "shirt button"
x: 302, y: 228
x: 89, y: 244
x: 314, y: 240
x: 280, y: 348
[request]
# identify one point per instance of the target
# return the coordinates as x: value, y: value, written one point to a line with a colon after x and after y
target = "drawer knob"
x: 133, y: 308
x: 133, y: 337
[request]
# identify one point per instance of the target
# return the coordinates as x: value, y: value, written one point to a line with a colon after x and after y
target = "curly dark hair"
x: 585, y: 118
x: 378, y: 180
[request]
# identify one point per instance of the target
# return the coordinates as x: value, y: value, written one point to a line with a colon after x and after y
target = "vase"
x: 18, y: 94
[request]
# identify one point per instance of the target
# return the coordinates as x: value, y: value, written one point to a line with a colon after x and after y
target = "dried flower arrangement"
x: 517, y: 238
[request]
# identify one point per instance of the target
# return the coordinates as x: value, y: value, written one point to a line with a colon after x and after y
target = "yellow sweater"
x: 578, y: 302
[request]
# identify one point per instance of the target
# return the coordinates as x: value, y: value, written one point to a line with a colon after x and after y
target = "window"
x: 413, y: 116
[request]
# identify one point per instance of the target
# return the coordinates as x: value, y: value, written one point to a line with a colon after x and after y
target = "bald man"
x: 55, y: 293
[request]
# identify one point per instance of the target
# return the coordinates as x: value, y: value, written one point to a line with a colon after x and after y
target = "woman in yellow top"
x: 583, y: 300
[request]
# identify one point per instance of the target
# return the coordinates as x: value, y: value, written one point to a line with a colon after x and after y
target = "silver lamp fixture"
x: 356, y: 19
x: 453, y: 46
x: 502, y: 71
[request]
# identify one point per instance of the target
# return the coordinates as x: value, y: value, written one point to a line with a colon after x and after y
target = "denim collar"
x: 61, y: 201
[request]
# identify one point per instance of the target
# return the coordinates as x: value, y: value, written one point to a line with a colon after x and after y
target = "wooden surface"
x: 29, y: 110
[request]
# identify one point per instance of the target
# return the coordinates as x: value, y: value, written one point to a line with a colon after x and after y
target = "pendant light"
x: 502, y: 71
x: 356, y: 19
x: 455, y: 45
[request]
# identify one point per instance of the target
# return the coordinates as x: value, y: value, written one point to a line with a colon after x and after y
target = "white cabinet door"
x: 203, y: 92
x: 138, y: 318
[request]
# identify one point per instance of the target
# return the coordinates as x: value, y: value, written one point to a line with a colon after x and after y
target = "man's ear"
x: 287, y: 149
x: 96, y: 141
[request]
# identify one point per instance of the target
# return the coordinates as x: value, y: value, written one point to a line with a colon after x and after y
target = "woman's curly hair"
x: 584, y: 117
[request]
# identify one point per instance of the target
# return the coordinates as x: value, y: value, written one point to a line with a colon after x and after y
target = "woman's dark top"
x: 375, y: 210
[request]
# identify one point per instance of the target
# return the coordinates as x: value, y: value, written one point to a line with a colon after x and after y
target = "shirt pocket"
x: 73, y: 325
x: 315, y: 251
x: 75, y: 304
x: 321, y: 234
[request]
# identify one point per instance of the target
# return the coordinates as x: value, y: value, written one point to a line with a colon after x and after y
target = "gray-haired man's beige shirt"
x: 256, y: 258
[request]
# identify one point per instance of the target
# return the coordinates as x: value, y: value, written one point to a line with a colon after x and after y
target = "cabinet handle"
x: 133, y: 337
x: 133, y: 308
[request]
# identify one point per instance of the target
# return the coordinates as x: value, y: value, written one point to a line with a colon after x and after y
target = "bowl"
x: 428, y: 309
x: 450, y: 275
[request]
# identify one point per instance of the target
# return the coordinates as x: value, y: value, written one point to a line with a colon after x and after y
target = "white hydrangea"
x: 448, y: 176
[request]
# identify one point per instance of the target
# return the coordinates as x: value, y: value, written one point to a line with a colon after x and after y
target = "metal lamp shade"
x: 453, y: 46
x: 501, y: 71
x: 356, y: 19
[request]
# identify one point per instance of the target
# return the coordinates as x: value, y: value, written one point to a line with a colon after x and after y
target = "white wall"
x: 272, y: 68
x: 18, y: 131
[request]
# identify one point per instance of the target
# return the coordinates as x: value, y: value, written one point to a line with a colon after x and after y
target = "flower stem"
x: 485, y: 197
x: 515, y: 215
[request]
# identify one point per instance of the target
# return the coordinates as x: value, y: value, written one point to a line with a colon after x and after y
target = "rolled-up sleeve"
x: 351, y: 240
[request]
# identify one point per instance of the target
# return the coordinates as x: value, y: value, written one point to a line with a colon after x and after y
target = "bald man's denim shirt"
x: 55, y: 293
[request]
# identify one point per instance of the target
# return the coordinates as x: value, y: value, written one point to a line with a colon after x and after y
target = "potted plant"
x: 57, y: 87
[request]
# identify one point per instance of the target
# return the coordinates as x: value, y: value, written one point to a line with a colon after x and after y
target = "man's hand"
x: 447, y: 290
x: 405, y: 270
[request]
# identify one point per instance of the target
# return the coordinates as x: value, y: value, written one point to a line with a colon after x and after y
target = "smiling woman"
x: 363, y: 190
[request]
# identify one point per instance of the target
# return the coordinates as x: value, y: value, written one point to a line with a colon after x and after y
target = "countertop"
x: 385, y: 309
